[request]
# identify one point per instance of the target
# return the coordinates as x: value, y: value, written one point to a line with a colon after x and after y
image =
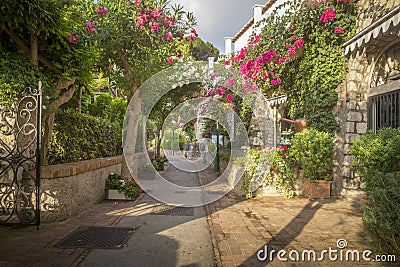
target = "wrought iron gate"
x: 384, y: 111
x: 20, y: 137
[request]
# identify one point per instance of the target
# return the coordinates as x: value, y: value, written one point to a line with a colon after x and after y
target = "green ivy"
x: 310, y: 80
x: 79, y: 137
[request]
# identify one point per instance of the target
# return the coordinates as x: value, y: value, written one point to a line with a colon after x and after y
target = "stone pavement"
x: 239, y: 229
x: 25, y: 246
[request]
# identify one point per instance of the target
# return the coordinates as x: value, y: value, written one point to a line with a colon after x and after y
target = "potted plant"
x: 158, y: 163
x: 119, y: 189
x: 312, y: 152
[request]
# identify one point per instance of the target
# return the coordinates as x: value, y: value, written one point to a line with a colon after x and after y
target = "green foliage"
x: 281, y: 176
x: 381, y: 212
x: 130, y: 189
x: 22, y: 75
x: 257, y: 164
x: 311, y: 77
x: 380, y: 151
x: 109, y: 108
x: 201, y: 50
x: 377, y: 158
x: 123, y: 43
x: 114, y: 181
x: 80, y: 137
x: 312, y: 151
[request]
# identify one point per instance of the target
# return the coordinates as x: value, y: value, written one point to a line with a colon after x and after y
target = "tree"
x: 201, y: 50
x: 51, y: 34
x: 139, y: 38
x: 166, y: 104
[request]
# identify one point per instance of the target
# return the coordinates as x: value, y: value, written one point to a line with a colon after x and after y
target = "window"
x: 384, y: 111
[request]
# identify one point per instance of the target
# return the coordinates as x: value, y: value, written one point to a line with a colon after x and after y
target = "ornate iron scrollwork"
x: 20, y: 134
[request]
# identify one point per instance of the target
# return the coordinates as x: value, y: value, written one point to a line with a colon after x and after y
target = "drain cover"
x: 96, y: 237
x: 171, y: 210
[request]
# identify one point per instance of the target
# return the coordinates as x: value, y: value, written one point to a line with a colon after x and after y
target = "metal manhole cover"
x: 171, y: 210
x: 96, y: 237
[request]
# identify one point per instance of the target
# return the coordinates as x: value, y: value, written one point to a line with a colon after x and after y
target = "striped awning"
x: 382, y: 25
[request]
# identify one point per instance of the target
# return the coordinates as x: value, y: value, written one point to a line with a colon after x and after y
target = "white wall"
x: 242, y: 41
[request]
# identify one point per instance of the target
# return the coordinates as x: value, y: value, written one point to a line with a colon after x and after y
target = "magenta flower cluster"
x: 328, y: 15
x: 101, y: 11
x: 72, y: 38
x: 153, y: 18
x: 338, y: 30
x: 264, y: 65
x: 89, y: 27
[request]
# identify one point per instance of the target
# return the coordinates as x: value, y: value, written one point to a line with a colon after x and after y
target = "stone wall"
x: 68, y: 189
x: 351, y: 110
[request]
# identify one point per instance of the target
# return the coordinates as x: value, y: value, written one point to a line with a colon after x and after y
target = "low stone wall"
x: 68, y: 189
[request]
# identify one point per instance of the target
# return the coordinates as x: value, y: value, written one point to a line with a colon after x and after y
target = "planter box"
x: 113, y: 194
x: 317, y: 189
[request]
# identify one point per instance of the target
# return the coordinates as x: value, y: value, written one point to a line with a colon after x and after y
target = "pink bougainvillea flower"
x: 276, y: 81
x: 229, y: 98
x: 328, y: 15
x: 292, y: 51
x: 101, y: 11
x: 293, y: 38
x: 169, y: 60
x: 338, y: 30
x: 230, y: 82
x: 255, y: 39
x: 213, y: 76
x: 221, y: 91
x: 298, y: 43
x: 168, y: 36
x: 228, y: 62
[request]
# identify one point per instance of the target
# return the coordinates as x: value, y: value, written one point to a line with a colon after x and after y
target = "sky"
x: 217, y: 19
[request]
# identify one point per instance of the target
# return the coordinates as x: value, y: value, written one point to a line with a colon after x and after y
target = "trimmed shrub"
x: 380, y: 151
x: 377, y: 158
x: 312, y: 151
x: 109, y: 108
x: 381, y: 212
x: 79, y: 137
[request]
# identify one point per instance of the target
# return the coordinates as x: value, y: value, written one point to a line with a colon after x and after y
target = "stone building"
x: 369, y: 98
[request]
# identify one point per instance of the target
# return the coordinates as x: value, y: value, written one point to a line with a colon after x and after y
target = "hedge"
x: 78, y: 137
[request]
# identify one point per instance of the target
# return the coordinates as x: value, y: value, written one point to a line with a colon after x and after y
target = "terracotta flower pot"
x: 317, y: 188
